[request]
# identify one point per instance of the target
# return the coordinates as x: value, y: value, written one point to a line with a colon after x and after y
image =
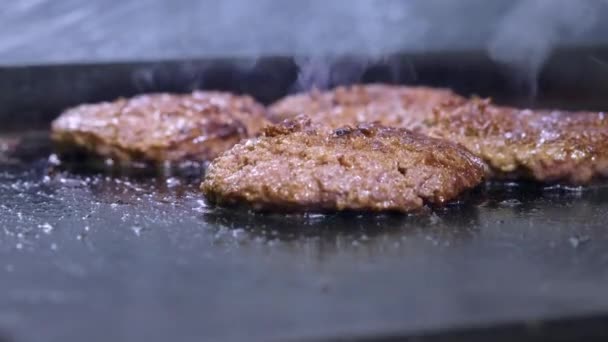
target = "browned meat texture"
x: 390, y: 105
x: 160, y: 127
x: 295, y: 166
x: 543, y: 145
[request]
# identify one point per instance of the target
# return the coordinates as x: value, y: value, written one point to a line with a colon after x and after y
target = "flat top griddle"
x: 103, y: 256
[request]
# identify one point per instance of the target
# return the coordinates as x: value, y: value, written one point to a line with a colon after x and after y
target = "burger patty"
x: 158, y: 128
x: 390, y: 105
x: 542, y: 145
x: 296, y: 166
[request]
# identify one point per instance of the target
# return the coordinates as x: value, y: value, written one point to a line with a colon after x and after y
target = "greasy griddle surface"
x: 86, y: 256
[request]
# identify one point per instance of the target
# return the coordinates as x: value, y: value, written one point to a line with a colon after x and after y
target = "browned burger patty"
x: 543, y: 145
x: 160, y: 127
x: 296, y: 167
x: 390, y: 105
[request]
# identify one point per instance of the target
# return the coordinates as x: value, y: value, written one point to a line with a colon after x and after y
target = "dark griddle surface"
x: 89, y: 257
x: 94, y: 257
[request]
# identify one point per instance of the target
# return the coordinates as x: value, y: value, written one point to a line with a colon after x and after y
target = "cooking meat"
x: 295, y: 166
x: 543, y: 145
x: 158, y: 128
x: 390, y: 105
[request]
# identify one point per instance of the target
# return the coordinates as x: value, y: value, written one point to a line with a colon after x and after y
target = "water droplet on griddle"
x: 202, y: 207
x: 510, y: 203
x: 54, y: 159
x: 173, y: 182
x: 576, y: 241
x: 137, y: 230
x: 71, y: 182
x: 46, y: 227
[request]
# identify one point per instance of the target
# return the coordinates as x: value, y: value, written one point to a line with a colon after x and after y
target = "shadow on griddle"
x: 82, y: 163
x: 565, y: 329
x: 459, y: 216
x: 524, y: 196
x: 5, y: 337
x: 25, y: 147
x: 494, y: 204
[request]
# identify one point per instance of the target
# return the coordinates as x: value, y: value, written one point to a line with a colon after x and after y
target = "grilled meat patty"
x: 295, y: 166
x: 158, y: 128
x: 390, y: 105
x: 543, y: 145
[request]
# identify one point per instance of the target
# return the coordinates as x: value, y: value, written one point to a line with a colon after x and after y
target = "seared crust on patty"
x: 390, y: 105
x: 156, y: 128
x: 543, y: 145
x: 295, y: 166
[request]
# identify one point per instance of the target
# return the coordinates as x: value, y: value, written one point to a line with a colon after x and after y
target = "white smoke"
x: 519, y: 33
x: 531, y: 30
x: 323, y: 72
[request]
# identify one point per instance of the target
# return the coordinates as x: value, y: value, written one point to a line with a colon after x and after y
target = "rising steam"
x: 519, y: 33
x: 528, y: 33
